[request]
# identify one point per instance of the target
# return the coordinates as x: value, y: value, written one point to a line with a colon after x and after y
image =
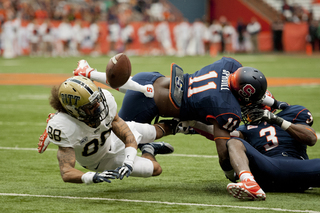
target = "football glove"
x: 257, y: 115
x: 104, y: 176
x: 124, y: 170
x: 83, y: 69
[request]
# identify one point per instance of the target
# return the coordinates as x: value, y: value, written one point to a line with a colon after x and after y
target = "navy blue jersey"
x: 276, y: 160
x: 272, y: 140
x: 207, y: 95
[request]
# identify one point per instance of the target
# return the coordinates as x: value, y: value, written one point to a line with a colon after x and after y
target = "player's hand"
x: 257, y: 115
x: 104, y: 176
x: 124, y: 170
x: 148, y: 90
x: 83, y: 69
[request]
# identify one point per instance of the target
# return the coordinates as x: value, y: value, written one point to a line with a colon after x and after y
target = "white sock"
x: 246, y: 175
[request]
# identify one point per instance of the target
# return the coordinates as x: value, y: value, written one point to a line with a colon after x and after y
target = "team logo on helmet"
x: 247, y: 91
x: 83, y: 100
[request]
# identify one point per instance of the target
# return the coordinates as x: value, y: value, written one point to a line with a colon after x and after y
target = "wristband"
x: 268, y: 101
x: 285, y: 125
x: 130, y: 154
x: 87, y: 178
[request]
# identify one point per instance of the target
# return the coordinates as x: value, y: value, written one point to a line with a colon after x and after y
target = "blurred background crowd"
x: 138, y: 27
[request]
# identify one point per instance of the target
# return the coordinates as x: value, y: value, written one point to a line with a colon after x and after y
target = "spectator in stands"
x: 318, y: 34
x: 77, y: 36
x: 254, y: 29
x: 146, y: 38
x: 223, y: 21
x: 215, y: 37
x: 287, y: 10
x: 34, y: 38
x: 241, y: 29
x: 312, y: 37
x: 114, y: 35
x: 127, y: 36
x: 94, y: 35
x: 9, y: 37
x: 45, y: 30
x: 156, y: 10
x: 182, y: 36
x: 65, y: 35
x: 277, y: 29
x: 163, y: 36
x: 198, y: 32
x: 229, y: 37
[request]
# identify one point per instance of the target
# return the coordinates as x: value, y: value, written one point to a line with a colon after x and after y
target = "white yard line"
x: 157, y: 202
x: 177, y: 155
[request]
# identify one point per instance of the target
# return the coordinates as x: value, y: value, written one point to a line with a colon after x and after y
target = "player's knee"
x: 235, y: 144
x: 157, y: 170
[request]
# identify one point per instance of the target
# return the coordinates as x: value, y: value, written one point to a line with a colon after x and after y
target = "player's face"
x: 95, y: 111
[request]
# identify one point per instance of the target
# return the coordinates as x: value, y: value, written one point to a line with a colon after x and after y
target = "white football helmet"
x: 83, y: 100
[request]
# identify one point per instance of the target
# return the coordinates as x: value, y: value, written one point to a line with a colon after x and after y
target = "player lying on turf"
x: 87, y: 129
x: 271, y: 153
x: 212, y: 96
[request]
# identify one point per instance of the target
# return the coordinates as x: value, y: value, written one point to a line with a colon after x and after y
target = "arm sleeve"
x: 129, y: 85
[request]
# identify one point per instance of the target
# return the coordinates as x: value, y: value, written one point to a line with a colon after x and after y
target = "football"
x: 118, y: 70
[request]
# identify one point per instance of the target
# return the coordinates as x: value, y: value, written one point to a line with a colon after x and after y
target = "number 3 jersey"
x: 90, y: 144
x: 272, y: 140
x: 207, y: 95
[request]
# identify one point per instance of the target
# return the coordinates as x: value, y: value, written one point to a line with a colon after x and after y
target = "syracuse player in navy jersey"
x: 273, y: 150
x: 208, y: 96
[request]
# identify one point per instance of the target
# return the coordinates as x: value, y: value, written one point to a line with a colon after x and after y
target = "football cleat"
x: 43, y: 143
x: 156, y: 148
x: 83, y: 69
x: 246, y: 190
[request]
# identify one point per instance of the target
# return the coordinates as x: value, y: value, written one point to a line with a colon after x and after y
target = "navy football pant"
x: 282, y: 173
x: 136, y: 106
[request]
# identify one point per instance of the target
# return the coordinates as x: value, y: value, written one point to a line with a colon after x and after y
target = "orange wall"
x: 234, y: 9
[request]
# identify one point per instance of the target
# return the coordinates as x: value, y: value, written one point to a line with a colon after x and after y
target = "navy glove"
x: 279, y: 105
x: 105, y: 176
x: 124, y: 170
x: 257, y: 115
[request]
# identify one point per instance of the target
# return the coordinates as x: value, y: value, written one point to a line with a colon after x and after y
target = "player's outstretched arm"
x: 85, y: 70
x: 123, y: 132
x: 67, y: 160
x: 302, y: 133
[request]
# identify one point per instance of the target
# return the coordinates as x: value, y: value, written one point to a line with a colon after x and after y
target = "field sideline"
x: 192, y: 180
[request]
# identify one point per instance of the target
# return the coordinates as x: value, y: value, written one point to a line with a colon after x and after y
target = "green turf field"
x: 192, y: 180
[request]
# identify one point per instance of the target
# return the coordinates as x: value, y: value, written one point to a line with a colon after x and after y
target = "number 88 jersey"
x: 90, y: 144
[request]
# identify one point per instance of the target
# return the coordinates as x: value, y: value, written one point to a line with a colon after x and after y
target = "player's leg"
x: 248, y: 188
x: 145, y: 135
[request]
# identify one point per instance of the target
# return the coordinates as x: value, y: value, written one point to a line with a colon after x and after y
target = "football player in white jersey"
x: 87, y: 129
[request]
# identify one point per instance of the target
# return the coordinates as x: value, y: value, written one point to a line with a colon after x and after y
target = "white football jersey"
x: 90, y: 144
